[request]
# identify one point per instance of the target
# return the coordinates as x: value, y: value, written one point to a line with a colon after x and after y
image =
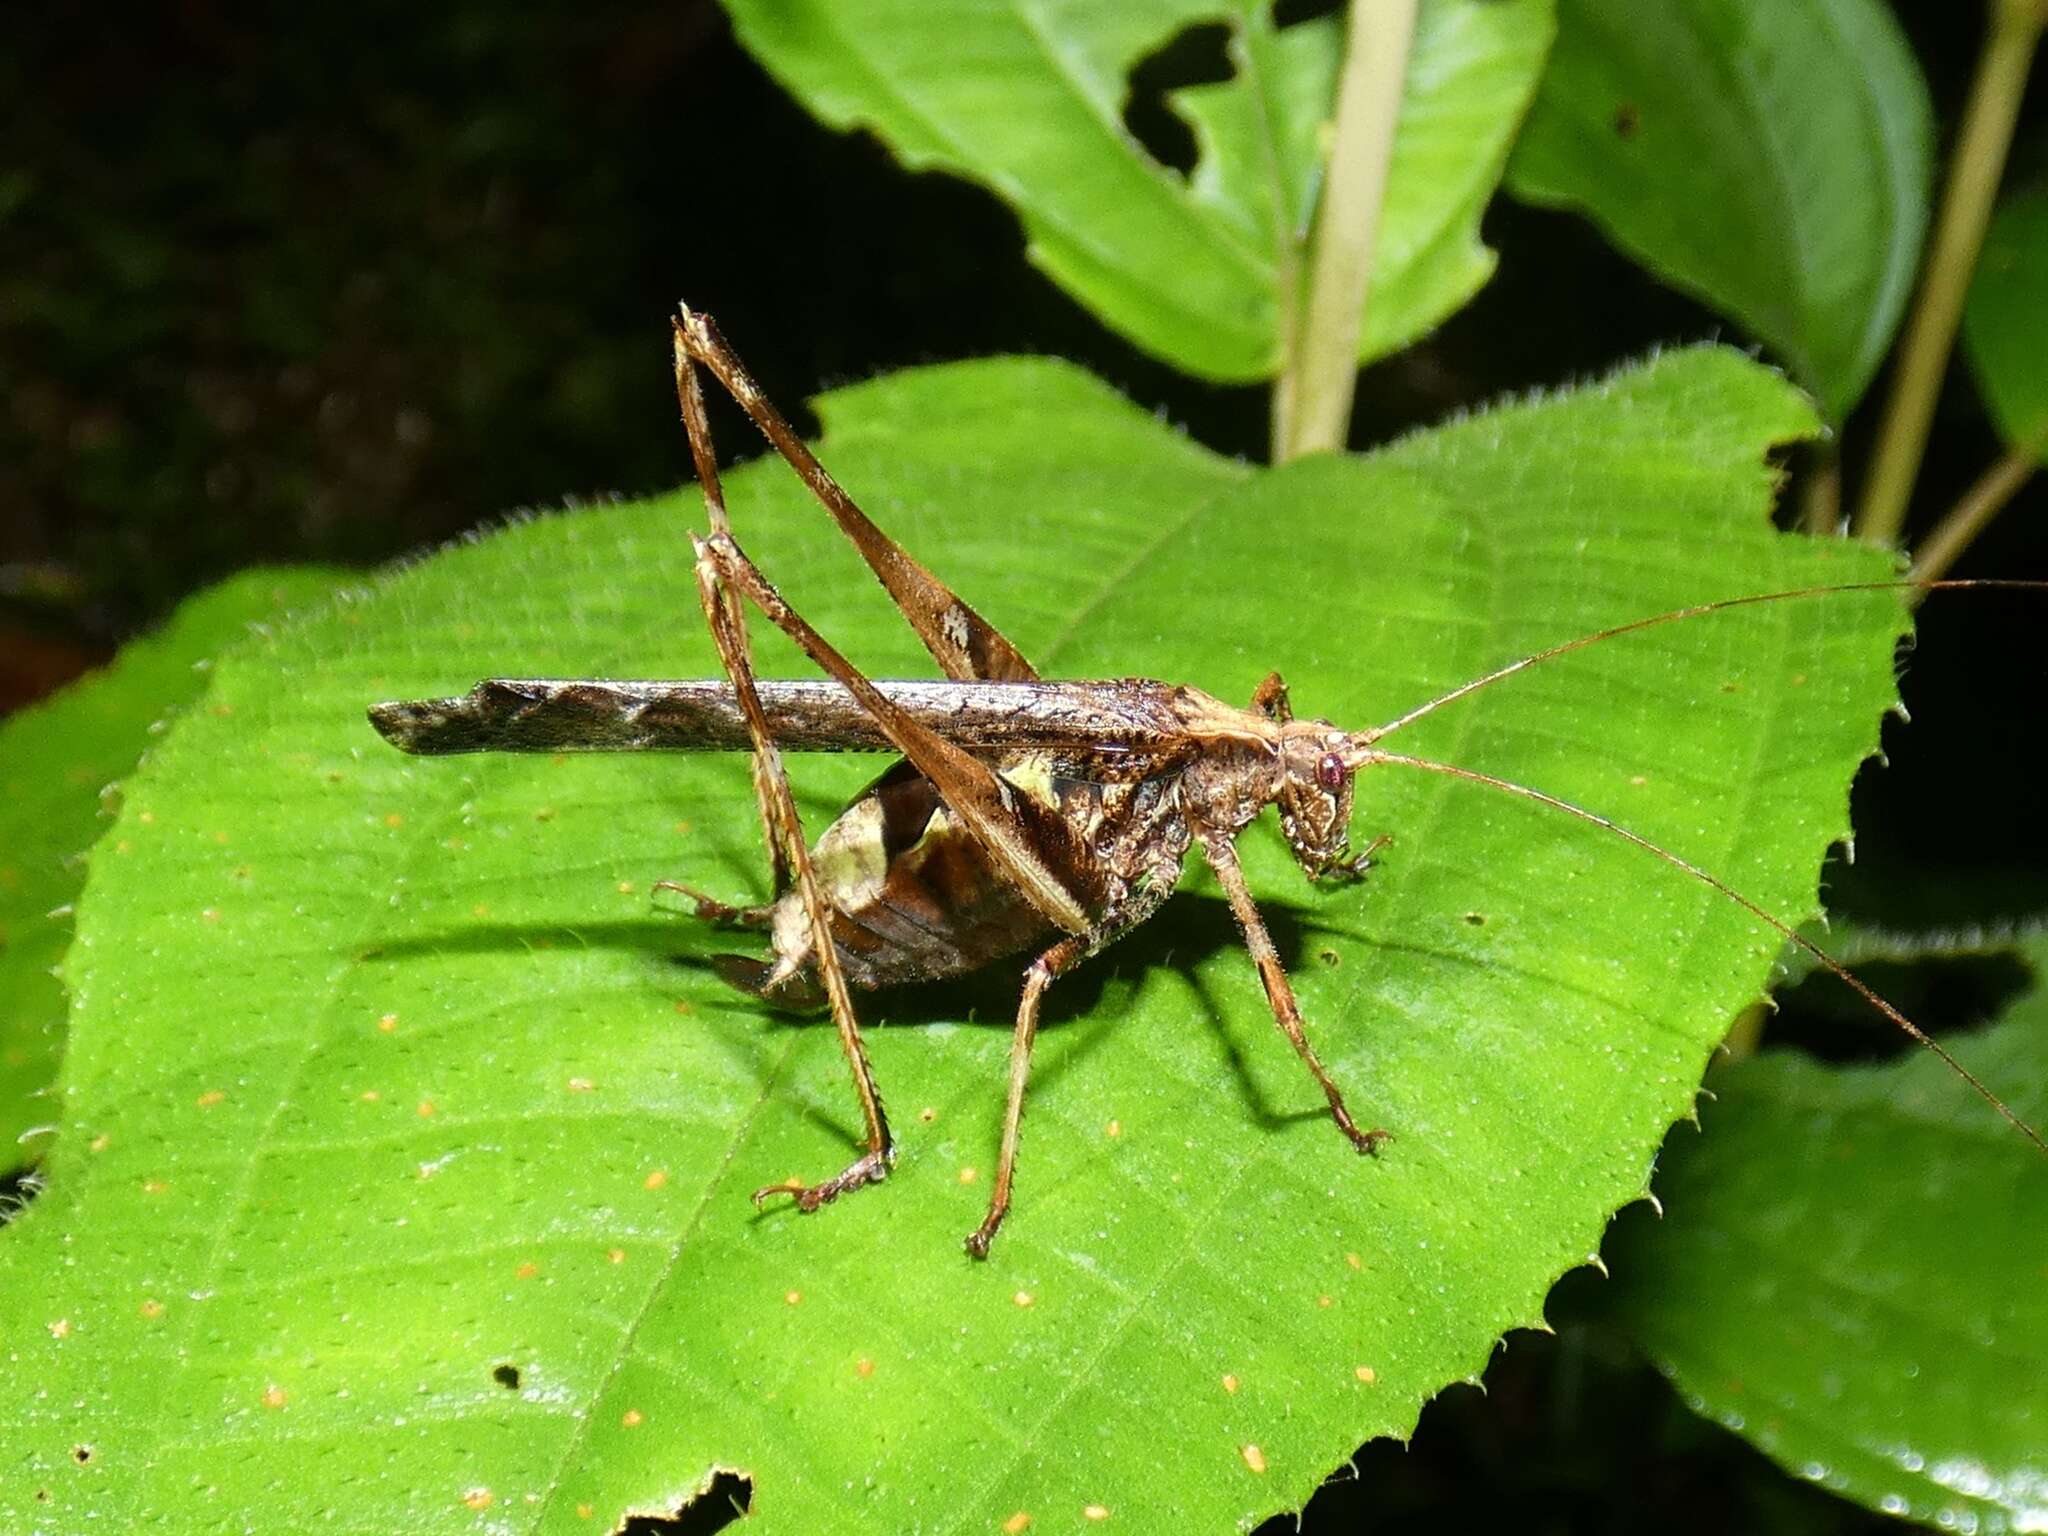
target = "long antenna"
x: 1997, y: 584
x: 1856, y: 983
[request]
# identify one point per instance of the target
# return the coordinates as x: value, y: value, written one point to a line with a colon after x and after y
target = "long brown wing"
x: 965, y: 645
x: 1130, y: 717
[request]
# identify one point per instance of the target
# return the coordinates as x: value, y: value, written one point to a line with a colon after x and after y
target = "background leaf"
x: 56, y: 760
x: 2005, y: 324
x: 1772, y: 160
x: 1850, y: 1274
x: 405, y: 1164
x: 1028, y: 100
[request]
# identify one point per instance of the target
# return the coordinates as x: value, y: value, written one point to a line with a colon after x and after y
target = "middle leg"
x: 1044, y: 971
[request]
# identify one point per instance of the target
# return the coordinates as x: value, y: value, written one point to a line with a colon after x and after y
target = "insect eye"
x: 1330, y: 772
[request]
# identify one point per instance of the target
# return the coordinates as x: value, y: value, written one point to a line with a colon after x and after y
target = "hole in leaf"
x: 1199, y: 55
x: 1287, y: 13
x: 506, y: 1376
x: 81, y: 1454
x: 1476, y: 919
x: 725, y: 1502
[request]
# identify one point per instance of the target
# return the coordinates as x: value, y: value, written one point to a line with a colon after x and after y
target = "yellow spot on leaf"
x: 545, y: 813
x: 154, y: 1186
x: 581, y: 1085
x: 1114, y: 1129
x: 1229, y: 1382
x: 616, y: 1255
x: 864, y: 1367
x: 584, y: 1511
x: 479, y: 1498
x: 394, y: 820
x: 968, y: 1175
x: 1326, y: 1301
x: 1016, y: 1523
x: 794, y: 1297
x: 1096, y: 1512
x: 656, y: 1179
x: 99, y: 1143
x: 1354, y: 1261
x: 275, y: 1396
x: 1253, y: 1457
x: 632, y: 1418
x: 151, y: 1307
x: 927, y: 1114
x: 1024, y: 1298
x: 426, y: 1108
x: 1367, y: 1374
x: 527, y: 1270
x: 209, y: 914
x: 371, y: 1095
x: 625, y: 887
x: 60, y: 1328
x: 388, y: 1023
x: 208, y: 1099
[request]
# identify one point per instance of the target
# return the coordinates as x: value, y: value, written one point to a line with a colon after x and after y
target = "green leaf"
x: 2005, y: 323
x: 1850, y: 1273
x: 56, y: 762
x: 1771, y: 160
x: 1028, y: 99
x: 405, y: 1081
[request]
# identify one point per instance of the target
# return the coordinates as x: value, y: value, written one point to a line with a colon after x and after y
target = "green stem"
x: 1320, y: 337
x: 1974, y: 172
x: 1820, y: 510
x: 1978, y: 505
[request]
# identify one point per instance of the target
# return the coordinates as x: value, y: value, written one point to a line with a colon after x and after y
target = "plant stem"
x: 1978, y: 505
x: 1820, y: 510
x: 1319, y: 369
x: 1974, y: 172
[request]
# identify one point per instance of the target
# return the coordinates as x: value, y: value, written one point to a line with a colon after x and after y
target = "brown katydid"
x: 1024, y: 816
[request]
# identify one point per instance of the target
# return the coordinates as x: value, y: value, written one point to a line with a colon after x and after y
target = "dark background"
x: 287, y: 283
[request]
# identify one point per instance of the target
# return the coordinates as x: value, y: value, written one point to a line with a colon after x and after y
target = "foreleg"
x: 1222, y: 856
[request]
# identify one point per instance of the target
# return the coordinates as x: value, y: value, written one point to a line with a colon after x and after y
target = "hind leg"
x: 786, y: 830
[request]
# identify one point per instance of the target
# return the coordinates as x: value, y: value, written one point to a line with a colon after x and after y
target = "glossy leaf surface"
x: 1772, y: 160
x: 1850, y: 1273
